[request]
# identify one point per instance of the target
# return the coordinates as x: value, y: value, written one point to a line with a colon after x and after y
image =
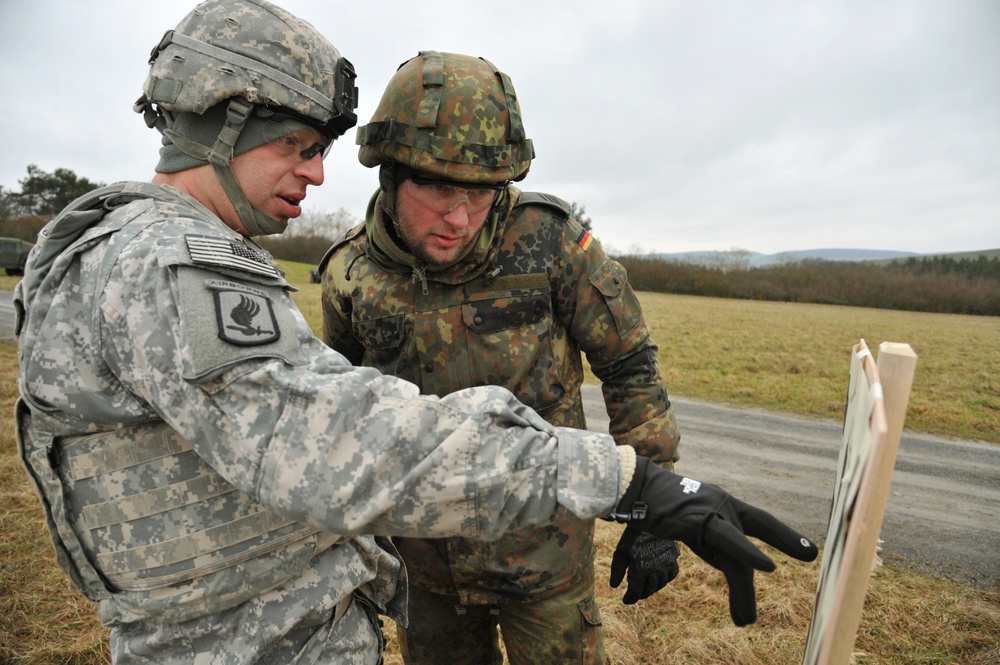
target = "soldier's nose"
x: 458, y: 216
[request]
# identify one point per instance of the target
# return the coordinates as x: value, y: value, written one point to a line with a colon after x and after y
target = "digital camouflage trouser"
x: 559, y: 630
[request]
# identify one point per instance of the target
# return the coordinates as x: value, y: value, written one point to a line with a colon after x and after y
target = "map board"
x: 876, y: 408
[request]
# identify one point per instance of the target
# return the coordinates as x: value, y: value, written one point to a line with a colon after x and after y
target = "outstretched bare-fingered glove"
x: 714, y: 524
x: 651, y: 563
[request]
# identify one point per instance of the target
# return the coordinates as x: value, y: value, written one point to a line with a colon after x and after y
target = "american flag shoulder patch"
x: 584, y: 239
x: 226, y: 253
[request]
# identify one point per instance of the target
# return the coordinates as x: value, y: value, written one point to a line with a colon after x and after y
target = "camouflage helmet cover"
x: 254, y: 50
x: 452, y: 116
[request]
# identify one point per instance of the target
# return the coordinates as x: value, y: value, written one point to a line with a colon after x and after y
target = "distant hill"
x: 756, y: 259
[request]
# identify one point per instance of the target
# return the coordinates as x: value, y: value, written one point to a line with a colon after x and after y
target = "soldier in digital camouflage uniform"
x: 219, y: 481
x: 500, y: 287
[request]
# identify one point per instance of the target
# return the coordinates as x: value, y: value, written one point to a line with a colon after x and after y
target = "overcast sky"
x: 679, y: 126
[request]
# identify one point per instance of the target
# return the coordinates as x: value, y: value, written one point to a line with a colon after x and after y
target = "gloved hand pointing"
x: 714, y: 524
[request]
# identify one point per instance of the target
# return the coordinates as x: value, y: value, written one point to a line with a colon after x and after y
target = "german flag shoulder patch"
x: 584, y: 239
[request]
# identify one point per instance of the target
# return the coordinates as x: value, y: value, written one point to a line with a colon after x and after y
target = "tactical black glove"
x: 651, y: 563
x: 714, y: 524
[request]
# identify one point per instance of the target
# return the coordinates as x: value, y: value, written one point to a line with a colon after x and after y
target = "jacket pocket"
x: 511, y: 345
x: 611, y: 280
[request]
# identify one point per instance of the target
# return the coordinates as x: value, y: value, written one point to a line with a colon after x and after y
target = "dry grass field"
x: 776, y: 356
x: 794, y: 357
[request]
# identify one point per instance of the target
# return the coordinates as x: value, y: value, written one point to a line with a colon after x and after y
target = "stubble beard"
x: 417, y: 245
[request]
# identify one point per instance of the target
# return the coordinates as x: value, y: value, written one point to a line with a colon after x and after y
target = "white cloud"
x: 678, y: 125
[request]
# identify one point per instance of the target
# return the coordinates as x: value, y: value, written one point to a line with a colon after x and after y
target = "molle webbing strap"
x: 162, y: 499
x: 116, y: 452
x: 433, y: 80
x: 184, y: 519
x: 192, y: 546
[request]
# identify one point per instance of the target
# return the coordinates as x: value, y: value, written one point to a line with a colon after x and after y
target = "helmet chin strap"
x: 390, y: 174
x: 219, y: 156
x: 254, y: 221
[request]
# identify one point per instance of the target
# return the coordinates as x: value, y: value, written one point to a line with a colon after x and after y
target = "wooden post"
x: 876, y: 409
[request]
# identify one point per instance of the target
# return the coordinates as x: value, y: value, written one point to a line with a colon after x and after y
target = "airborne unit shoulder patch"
x: 245, y: 315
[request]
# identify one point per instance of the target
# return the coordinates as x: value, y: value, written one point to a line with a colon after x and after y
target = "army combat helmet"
x: 255, y: 60
x: 451, y: 117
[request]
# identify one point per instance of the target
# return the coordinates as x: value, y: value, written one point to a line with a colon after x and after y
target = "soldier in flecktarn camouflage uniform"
x: 220, y: 482
x: 458, y: 278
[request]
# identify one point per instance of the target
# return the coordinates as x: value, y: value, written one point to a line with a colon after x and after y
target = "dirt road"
x: 943, y: 516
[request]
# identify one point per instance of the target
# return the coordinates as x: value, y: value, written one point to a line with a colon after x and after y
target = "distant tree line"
x: 981, y: 266
x: 929, y: 284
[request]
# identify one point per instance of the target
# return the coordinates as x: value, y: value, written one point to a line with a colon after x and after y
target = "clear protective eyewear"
x: 443, y: 196
x: 292, y: 135
x: 294, y: 142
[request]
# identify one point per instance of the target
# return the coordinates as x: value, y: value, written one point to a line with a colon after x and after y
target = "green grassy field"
x: 784, y: 357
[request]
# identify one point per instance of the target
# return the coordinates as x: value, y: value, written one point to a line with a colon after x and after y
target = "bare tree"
x: 309, y: 236
x: 734, y: 258
x: 322, y: 224
x: 579, y: 213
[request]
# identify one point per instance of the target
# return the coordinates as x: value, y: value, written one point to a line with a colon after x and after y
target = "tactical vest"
x: 135, y: 509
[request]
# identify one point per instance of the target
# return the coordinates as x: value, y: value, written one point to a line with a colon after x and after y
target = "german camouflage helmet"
x: 451, y: 116
x: 257, y: 58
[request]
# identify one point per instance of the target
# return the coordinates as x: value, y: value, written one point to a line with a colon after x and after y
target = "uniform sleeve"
x: 598, y: 306
x: 342, y: 448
